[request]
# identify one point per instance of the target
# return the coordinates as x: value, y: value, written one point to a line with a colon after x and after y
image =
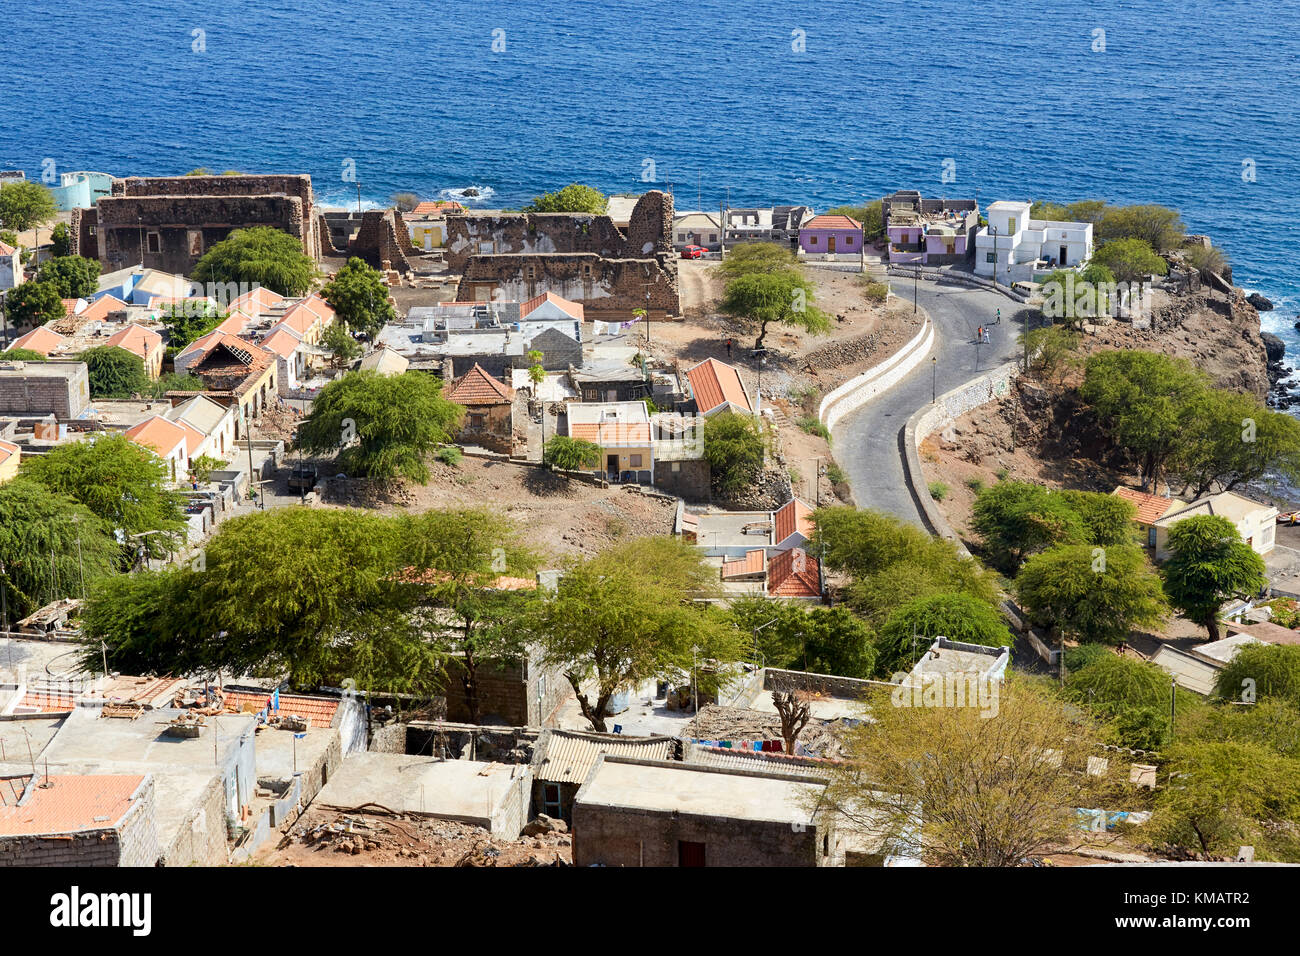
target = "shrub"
x: 975, y: 483
x: 813, y: 426
x: 938, y: 490
x: 449, y: 455
x: 874, y: 291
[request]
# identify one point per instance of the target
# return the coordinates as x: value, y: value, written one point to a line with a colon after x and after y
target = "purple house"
x: 831, y: 236
x: 929, y: 231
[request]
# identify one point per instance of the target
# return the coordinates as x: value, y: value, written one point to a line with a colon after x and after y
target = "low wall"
x: 958, y: 278
x: 861, y: 389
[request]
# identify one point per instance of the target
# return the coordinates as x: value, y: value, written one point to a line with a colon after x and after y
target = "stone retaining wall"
x: 859, y: 390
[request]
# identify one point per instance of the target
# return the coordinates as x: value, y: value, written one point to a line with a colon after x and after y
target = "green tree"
x: 574, y: 197
x: 74, y: 276
x: 61, y: 240
x: 785, y: 297
x: 1206, y: 259
x: 821, y: 640
x: 49, y: 544
x: 873, y: 223
x: 1142, y: 399
x: 114, y: 372
x: 186, y: 322
x: 203, y: 466
x: 571, y: 454
x: 121, y: 483
x: 1222, y: 796
x: 1107, y: 519
x: 1052, y: 348
x: 260, y: 254
x: 34, y: 303
x: 22, y: 355
x: 733, y: 447
x: 757, y: 258
x: 359, y: 296
x: 1091, y: 593
x: 629, y: 615
x: 1159, y: 227
x: 912, y: 627
x: 385, y: 425
x: 1017, y: 519
x: 339, y: 341
x: 1130, y: 260
x: 1260, y: 671
x: 1132, y: 696
x: 25, y: 204
x: 1209, y: 565
x: 536, y: 373
x: 1230, y: 439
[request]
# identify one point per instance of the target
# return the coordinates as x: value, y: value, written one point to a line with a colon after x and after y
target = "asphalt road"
x: 868, y: 442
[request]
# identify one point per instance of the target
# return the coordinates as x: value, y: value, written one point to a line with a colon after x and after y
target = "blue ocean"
x: 1190, y: 104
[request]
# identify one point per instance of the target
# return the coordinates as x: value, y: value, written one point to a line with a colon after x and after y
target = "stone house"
x: 489, y: 410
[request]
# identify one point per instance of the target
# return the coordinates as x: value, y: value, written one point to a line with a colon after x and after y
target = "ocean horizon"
x: 1191, y: 106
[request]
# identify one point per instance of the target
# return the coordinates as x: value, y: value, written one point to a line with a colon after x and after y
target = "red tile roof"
x: 47, y: 703
x: 318, y: 711
x: 793, y: 574
x: 751, y: 563
x: 611, y: 433
x: 101, y: 308
x: 573, y: 309
x: 792, y: 516
x: 67, y: 803
x: 715, y: 383
x: 137, y: 340
x: 283, y: 341
x: 6, y: 249
x: 256, y: 301
x: 157, y: 434
x: 1150, y: 508
x: 7, y: 450
x: 832, y: 222
x: 431, y: 206
x: 477, y: 387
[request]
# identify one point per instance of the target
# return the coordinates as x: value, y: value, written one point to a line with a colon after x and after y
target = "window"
x: 681, y: 237
x: 551, y: 799
x: 713, y: 237
x: 812, y: 240
x: 990, y: 257
x: 153, y: 242
x: 634, y: 461
x: 1011, y: 225
x: 690, y: 853
x: 586, y: 271
x: 476, y: 420
x: 677, y: 466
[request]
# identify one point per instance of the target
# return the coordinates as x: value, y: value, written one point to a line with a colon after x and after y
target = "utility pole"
x: 358, y: 199
x: 699, y: 190
x: 934, y: 379
x: 916, y: 276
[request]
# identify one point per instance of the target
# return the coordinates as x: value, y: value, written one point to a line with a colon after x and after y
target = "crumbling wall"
x: 608, y: 289
x: 82, y: 228
x: 382, y: 238
x: 689, y: 479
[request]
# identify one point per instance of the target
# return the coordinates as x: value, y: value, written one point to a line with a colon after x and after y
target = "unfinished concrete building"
x: 169, y: 222
x: 583, y: 257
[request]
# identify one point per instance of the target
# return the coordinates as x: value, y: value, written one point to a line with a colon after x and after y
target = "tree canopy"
x: 1092, y: 593
x: 73, y: 276
x: 571, y: 454
x: 1259, y: 671
x: 627, y: 615
x: 24, y: 204
x: 34, y: 303
x: 734, y: 448
x: 359, y: 296
x: 1130, y: 260
x: 114, y: 372
x: 338, y: 339
x: 261, y: 254
x: 1017, y: 518
x: 383, y: 426
x: 821, y: 640
x: 185, y: 323
x: 912, y: 627
x: 784, y: 297
x: 574, y: 197
x: 1209, y: 565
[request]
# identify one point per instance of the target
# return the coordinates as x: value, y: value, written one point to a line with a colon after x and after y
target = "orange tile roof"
x: 611, y: 433
x: 793, y: 574
x: 256, y: 301
x: 157, y: 434
x: 39, y: 339
x: 1150, y: 508
x: 564, y: 305
x: 715, y: 383
x: 6, y: 249
x: 319, y: 711
x: 70, y: 803
x: 477, y: 387
x: 101, y: 307
x: 136, y: 339
x: 282, y: 341
x: 204, y: 342
x: 233, y: 324
x: 751, y: 563
x: 792, y: 516
x: 193, y: 437
x: 48, y: 703
x: 431, y: 206
x: 832, y: 222
x: 7, y: 450
x: 70, y: 305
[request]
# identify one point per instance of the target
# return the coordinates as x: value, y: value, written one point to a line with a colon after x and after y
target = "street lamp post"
x: 934, y: 379
x: 993, y: 231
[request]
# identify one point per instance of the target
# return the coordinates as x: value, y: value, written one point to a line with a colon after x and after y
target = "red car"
x: 693, y: 252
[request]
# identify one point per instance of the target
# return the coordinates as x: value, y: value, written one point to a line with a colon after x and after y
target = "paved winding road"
x: 868, y: 442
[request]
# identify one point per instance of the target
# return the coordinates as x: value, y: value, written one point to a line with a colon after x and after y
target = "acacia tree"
x: 24, y: 204
x: 1130, y: 260
x: 574, y: 197
x: 1209, y: 565
x: 571, y: 454
x: 114, y: 372
x: 1092, y: 594
x: 909, y: 630
x: 628, y: 615
x: 383, y: 426
x: 119, y: 481
x: 342, y: 346
x: 34, y: 303
x: 960, y: 788
x: 359, y: 296
x: 74, y: 276
x: 734, y: 449
x: 1230, y: 439
x: 49, y: 545
x: 260, y: 254
x: 794, y: 713
x: 784, y: 297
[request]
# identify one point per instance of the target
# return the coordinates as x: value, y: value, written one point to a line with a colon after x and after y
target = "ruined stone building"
x: 583, y: 257
x: 169, y: 222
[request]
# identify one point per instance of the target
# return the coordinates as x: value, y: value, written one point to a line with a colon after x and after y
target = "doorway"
x: 1064, y: 255
x: 690, y: 853
x: 830, y: 244
x: 611, y: 464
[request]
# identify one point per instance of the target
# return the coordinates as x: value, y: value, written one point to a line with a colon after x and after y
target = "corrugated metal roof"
x: 570, y: 755
x: 813, y: 768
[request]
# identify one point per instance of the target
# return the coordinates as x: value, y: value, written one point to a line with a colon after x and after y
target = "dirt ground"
x: 556, y: 517
x: 324, y: 837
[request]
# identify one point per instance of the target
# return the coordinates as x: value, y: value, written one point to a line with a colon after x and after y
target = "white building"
x: 1255, y: 522
x: 1014, y: 246
x: 11, y: 267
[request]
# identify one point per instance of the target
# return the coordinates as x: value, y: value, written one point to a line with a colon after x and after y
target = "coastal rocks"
x: 1261, y: 303
x: 1274, y: 347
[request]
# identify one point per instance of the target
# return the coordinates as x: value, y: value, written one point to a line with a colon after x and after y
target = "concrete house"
x: 562, y: 759
x: 166, y: 439
x: 778, y: 224
x: 210, y: 427
x: 622, y: 432
x: 1013, y: 246
x: 10, y: 457
x: 697, y: 229
x: 929, y: 231
x: 61, y: 388
x: 1255, y: 522
x: 1150, y: 509
x: 427, y: 223
x: 489, y: 410
x: 144, y: 343
x: 634, y: 812
x: 11, y: 267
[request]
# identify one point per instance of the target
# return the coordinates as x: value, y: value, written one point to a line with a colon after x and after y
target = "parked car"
x: 303, y: 477
x: 693, y: 252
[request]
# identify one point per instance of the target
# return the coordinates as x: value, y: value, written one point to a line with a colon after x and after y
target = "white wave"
x: 484, y: 193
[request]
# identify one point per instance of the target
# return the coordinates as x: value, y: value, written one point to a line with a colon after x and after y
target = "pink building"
x: 831, y: 236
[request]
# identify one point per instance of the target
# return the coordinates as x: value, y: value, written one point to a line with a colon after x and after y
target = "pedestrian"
x: 979, y: 334
x: 728, y: 348
x: 987, y: 340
